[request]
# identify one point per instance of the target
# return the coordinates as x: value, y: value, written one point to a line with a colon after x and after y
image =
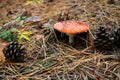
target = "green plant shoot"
x: 33, y: 2
x: 24, y: 36
x: 7, y: 35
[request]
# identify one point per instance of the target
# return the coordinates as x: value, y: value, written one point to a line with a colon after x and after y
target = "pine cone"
x: 111, y: 1
x: 117, y: 37
x: 103, y: 39
x: 15, y: 52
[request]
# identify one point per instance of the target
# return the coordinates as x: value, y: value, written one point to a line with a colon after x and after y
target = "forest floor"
x: 50, y: 57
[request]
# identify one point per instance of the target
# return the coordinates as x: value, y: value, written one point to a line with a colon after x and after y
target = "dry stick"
x: 57, y: 75
x: 97, y: 73
x: 80, y: 52
x: 15, y: 72
x: 78, y: 62
x: 91, y: 34
x: 30, y: 74
x: 89, y: 73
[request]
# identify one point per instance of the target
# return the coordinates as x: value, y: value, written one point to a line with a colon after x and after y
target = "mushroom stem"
x: 71, y: 39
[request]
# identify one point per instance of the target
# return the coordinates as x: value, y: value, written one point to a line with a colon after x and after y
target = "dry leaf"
x: 2, y: 57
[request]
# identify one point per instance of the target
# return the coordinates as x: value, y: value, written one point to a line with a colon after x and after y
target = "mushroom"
x: 71, y: 28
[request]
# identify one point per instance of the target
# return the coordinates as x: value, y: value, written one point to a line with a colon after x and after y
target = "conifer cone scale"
x: 117, y: 37
x: 15, y: 52
x: 103, y: 39
x: 117, y: 43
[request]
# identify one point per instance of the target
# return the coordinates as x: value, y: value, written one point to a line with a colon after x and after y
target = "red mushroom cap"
x: 71, y: 27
